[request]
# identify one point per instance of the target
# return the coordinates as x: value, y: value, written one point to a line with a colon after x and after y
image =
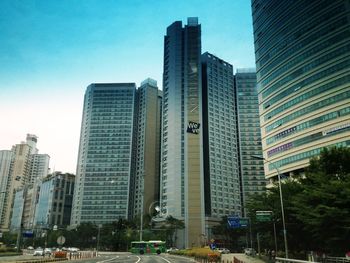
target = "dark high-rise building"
x: 252, y: 177
x: 221, y: 168
x: 182, y: 183
x: 302, y: 51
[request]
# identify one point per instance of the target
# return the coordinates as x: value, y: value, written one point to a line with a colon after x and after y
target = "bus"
x: 148, y: 247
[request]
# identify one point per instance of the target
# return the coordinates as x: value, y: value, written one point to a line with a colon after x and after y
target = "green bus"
x: 148, y: 247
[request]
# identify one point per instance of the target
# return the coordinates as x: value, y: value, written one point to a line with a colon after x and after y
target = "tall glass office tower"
x: 221, y: 168
x: 101, y: 193
x: 182, y: 170
x: 302, y: 51
x: 252, y: 177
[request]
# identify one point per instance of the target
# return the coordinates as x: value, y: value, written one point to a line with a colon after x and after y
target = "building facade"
x: 39, y: 167
x: 19, y: 169
x: 182, y: 179
x: 105, y: 154
x: 221, y: 167
x: 252, y: 177
x: 17, y: 178
x: 54, y: 201
x: 303, y: 73
x: 145, y: 180
x: 5, y: 165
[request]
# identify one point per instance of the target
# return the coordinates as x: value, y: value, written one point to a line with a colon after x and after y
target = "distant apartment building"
x: 54, y: 201
x: 23, y: 209
x: 39, y: 167
x: 252, y: 177
x: 145, y: 179
x: 302, y: 55
x: 105, y: 154
x: 18, y: 172
x: 17, y: 178
x: 5, y: 164
x: 182, y: 176
x: 220, y: 144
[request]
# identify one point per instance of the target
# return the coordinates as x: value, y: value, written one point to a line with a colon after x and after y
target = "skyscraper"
x: 17, y: 178
x: 145, y: 186
x: 182, y: 180
x: 221, y: 168
x: 5, y: 164
x: 303, y: 72
x: 252, y: 177
x: 19, y: 168
x: 105, y: 154
x: 39, y: 167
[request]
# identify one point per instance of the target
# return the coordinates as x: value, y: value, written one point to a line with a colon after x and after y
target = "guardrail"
x: 287, y: 260
x: 336, y: 260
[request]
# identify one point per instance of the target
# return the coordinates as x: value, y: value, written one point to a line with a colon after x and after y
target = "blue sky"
x: 51, y: 50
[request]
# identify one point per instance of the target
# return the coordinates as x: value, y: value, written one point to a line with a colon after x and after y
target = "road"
x: 112, y: 257
x: 130, y: 258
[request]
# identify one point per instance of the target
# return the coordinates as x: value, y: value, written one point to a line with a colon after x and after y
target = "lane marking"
x: 107, y: 260
x: 165, y: 259
x: 138, y: 259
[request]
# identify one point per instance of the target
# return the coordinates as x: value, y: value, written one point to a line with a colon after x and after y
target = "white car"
x: 73, y: 249
x: 38, y: 252
x: 47, y: 251
x: 250, y: 251
x: 223, y: 250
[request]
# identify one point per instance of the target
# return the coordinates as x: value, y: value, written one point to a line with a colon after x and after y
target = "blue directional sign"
x: 233, y: 222
x: 28, y: 234
x: 237, y: 222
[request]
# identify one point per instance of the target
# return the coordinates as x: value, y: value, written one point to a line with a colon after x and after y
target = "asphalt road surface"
x: 130, y: 258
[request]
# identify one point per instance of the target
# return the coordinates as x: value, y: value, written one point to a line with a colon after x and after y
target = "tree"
x: 316, y: 206
x: 172, y: 224
x: 323, y: 203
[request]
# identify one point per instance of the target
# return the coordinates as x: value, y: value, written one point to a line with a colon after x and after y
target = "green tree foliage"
x: 172, y: 224
x: 316, y: 206
x: 323, y: 205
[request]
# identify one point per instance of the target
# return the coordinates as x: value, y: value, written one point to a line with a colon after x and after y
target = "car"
x: 249, y: 251
x: 223, y: 250
x: 38, y: 252
x: 30, y: 248
x: 172, y: 249
x: 73, y: 249
x: 47, y: 251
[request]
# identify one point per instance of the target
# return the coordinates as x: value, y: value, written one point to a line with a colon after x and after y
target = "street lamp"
x: 281, y: 199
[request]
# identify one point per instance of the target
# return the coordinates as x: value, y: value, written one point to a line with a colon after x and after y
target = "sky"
x: 50, y: 51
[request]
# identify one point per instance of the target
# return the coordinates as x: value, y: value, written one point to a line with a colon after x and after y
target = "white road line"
x: 165, y: 259
x: 138, y: 259
x: 107, y: 260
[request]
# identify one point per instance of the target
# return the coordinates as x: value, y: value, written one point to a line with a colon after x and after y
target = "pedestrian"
x: 269, y: 254
x: 273, y: 255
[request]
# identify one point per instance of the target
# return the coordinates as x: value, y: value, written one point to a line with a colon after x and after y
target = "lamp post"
x: 281, y: 199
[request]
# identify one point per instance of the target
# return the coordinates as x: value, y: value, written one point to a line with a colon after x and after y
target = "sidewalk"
x: 241, y: 257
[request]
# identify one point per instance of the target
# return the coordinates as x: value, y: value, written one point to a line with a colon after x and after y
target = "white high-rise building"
x: 104, y: 168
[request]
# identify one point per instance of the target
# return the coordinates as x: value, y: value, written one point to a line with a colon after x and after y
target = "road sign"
x: 243, y: 222
x: 233, y: 222
x: 264, y: 216
x: 28, y: 233
x: 61, y: 240
x: 237, y: 222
